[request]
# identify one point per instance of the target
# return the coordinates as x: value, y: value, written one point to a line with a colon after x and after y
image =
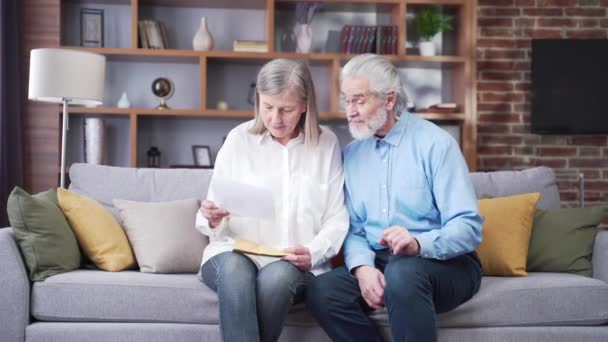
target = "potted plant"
x: 428, y: 23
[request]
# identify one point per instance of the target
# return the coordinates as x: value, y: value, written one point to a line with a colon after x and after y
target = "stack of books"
x: 152, y: 34
x: 250, y: 46
x: 375, y: 39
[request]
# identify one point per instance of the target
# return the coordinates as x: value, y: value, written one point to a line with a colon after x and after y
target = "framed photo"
x: 201, y: 155
x: 91, y: 27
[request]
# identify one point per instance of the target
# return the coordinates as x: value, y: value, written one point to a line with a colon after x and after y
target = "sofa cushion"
x: 507, y: 183
x: 129, y: 296
x: 105, y: 183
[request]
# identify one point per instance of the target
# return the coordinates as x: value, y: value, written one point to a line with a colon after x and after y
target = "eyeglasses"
x: 357, y: 100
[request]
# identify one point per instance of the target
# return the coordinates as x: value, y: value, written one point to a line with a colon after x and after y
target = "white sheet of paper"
x: 242, y: 199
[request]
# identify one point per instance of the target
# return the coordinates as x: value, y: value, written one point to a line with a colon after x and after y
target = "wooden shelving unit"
x: 461, y: 63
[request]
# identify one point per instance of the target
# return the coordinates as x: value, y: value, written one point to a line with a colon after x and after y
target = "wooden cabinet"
x: 202, y: 79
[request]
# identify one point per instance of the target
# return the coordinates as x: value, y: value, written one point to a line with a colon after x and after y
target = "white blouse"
x: 307, y: 183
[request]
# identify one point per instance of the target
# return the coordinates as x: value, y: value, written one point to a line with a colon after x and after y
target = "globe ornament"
x: 163, y: 89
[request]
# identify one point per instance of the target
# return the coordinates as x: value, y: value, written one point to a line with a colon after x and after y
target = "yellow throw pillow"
x: 507, y: 228
x: 99, y: 235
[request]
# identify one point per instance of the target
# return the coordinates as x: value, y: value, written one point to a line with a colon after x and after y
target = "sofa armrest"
x: 600, y: 255
x: 14, y: 290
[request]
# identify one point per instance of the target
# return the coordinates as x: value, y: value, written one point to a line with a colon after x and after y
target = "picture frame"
x: 91, y: 27
x: 201, y: 155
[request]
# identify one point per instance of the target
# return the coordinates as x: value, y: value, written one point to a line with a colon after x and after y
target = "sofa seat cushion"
x: 538, y: 299
x: 127, y: 296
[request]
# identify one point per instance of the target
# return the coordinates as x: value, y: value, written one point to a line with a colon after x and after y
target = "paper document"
x: 245, y: 246
x: 244, y: 199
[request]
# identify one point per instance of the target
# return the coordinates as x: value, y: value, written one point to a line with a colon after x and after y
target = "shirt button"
x: 383, y: 210
x: 384, y: 160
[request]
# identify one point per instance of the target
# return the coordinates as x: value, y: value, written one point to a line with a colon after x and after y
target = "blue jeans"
x: 253, y: 304
x: 416, y: 289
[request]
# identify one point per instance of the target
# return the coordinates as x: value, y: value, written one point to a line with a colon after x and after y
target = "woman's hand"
x: 213, y: 213
x: 299, y: 256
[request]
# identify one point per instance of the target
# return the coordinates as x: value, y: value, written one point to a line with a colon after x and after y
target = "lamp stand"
x: 64, y: 128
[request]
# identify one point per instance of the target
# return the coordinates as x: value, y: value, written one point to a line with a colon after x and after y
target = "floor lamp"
x: 69, y: 77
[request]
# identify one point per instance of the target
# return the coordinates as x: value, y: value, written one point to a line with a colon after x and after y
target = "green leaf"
x: 430, y: 22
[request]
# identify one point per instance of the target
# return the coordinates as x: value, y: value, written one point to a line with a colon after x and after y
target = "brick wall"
x: 505, y: 30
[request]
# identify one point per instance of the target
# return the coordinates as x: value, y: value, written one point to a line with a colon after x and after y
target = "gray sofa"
x: 92, y: 305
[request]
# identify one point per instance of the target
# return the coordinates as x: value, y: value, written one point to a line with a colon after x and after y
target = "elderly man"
x: 414, y: 222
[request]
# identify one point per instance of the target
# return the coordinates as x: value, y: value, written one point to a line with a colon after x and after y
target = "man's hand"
x: 299, y: 256
x: 213, y: 213
x: 371, y: 282
x: 400, y: 241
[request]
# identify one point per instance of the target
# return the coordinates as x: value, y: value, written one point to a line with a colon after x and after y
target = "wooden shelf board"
x: 99, y: 110
x: 236, y: 4
x: 442, y: 116
x: 436, y: 2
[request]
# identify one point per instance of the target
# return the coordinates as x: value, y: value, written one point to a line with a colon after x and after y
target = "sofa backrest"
x: 105, y: 183
x: 506, y: 183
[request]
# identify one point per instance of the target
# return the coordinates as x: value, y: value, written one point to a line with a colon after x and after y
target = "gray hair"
x: 383, y: 77
x: 280, y: 75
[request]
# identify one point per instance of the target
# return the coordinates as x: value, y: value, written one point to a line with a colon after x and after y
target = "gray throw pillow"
x: 44, y: 235
x: 163, y: 235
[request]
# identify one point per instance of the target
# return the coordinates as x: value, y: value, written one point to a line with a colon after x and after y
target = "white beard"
x: 371, y: 127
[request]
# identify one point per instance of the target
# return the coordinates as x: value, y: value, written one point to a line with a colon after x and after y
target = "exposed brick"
x: 496, y: 43
x: 604, y: 3
x: 589, y: 23
x: 505, y: 54
x: 495, y: 22
x: 585, y: 12
x: 525, y: 3
x: 586, y: 34
x: 500, y: 140
x: 591, y: 174
x: 500, y: 76
x: 521, y: 107
x: 596, y: 185
x: 495, y: 150
x: 494, y: 107
x: 501, y: 162
x: 520, y: 129
x: 497, y: 32
x: 495, y: 2
x: 554, y: 140
x: 605, y: 174
x: 525, y: 22
x: 591, y: 162
x: 556, y: 22
x: 564, y: 185
x: 532, y: 139
x: 605, y: 152
x: 596, y: 140
x: 542, y: 33
x: 529, y: 150
x: 496, y: 65
x: 553, y: 163
x: 556, y: 151
x: 589, y: 151
x: 499, y: 12
x: 543, y: 12
x: 604, y: 23
x: 522, y: 66
x: 593, y: 197
x: 568, y: 196
x: 499, y: 118
x: 522, y: 86
x: 502, y: 97
x: 524, y: 43
x: 494, y: 86
x: 588, y: 2
x: 556, y: 3
x: 493, y: 128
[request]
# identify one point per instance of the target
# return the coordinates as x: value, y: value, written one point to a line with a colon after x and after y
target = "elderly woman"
x: 284, y: 150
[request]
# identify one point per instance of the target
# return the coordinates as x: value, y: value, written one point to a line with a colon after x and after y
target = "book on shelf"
x: 250, y: 46
x: 362, y: 39
x: 152, y: 34
x: 246, y: 246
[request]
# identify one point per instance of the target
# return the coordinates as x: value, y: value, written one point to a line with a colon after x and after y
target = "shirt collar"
x: 395, y: 135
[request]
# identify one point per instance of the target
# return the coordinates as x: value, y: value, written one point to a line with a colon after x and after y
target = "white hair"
x: 382, y: 75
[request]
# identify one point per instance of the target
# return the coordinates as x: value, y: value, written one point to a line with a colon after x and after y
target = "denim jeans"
x: 253, y: 304
x: 416, y: 289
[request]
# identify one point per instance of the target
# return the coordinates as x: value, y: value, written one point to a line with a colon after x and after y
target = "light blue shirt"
x: 417, y: 178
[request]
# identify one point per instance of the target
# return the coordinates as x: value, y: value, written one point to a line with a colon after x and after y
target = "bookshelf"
x: 203, y: 78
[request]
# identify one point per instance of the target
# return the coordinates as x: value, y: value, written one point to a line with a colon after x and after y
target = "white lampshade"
x: 57, y: 74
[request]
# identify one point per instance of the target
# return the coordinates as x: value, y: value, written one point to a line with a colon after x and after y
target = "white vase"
x: 123, y: 102
x: 202, y: 41
x: 303, y: 34
x: 427, y: 48
x: 94, y: 140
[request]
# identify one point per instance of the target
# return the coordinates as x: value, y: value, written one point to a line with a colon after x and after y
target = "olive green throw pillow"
x: 562, y: 240
x: 46, y: 240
